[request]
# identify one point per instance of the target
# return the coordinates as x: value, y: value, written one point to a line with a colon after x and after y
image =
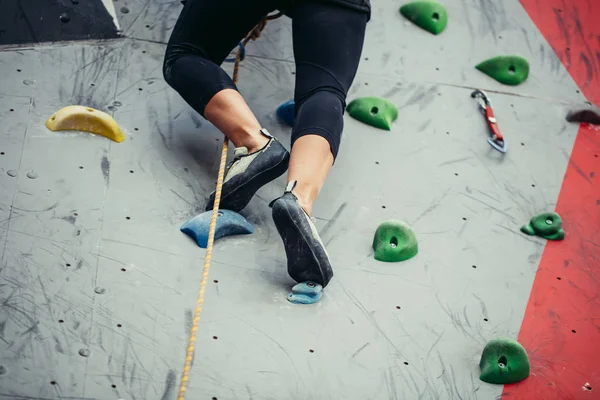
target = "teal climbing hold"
x: 546, y: 225
x: 228, y: 223
x: 503, y: 360
x: 373, y: 111
x: 429, y: 15
x: 306, y: 293
x: 394, y: 241
x: 509, y: 70
x: 287, y: 113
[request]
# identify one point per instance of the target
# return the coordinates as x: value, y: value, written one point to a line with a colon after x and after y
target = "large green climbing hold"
x: 510, y: 70
x: 394, y: 241
x: 546, y: 225
x: 429, y: 15
x: 503, y: 360
x: 373, y: 111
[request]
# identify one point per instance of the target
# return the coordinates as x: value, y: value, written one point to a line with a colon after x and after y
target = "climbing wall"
x: 98, y: 285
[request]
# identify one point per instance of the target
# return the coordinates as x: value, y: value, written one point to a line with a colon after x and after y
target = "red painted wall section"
x: 561, y: 327
x: 572, y: 28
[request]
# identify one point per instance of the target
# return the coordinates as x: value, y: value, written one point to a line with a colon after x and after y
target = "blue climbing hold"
x: 242, y: 50
x: 228, y: 223
x: 306, y: 293
x: 287, y: 113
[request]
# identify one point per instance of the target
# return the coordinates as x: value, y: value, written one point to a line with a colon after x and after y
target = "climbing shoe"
x: 307, y: 259
x: 249, y: 172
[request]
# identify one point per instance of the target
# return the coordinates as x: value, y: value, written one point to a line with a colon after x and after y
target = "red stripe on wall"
x: 561, y: 327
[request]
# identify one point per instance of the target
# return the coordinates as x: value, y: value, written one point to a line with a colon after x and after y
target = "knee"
x: 328, y: 101
x: 321, y: 113
x: 168, y: 62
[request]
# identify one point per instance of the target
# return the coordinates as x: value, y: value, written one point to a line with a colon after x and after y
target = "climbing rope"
x: 189, y: 356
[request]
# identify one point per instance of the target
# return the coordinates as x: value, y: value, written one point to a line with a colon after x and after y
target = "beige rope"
x: 189, y: 356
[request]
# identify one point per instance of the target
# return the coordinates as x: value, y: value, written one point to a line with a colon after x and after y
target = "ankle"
x: 252, y: 139
x: 305, y: 200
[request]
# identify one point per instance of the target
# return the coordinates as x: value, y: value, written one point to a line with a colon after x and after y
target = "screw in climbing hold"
x: 428, y: 15
x: 503, y: 360
x: 395, y: 241
x: 509, y: 70
x: 545, y: 225
x: 496, y: 140
x: 64, y: 17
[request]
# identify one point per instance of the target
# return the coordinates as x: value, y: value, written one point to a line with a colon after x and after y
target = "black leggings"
x: 328, y: 41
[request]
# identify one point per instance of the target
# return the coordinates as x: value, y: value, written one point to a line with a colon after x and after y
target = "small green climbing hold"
x: 503, y: 360
x: 510, y: 70
x: 546, y: 225
x: 373, y: 111
x: 394, y: 241
x: 429, y: 15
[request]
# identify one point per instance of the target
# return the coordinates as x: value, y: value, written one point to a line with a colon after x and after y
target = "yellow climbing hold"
x: 87, y: 119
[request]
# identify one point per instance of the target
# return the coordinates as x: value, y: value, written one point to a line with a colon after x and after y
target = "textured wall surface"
x: 98, y: 286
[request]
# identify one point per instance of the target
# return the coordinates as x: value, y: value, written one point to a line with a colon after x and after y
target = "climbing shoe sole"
x: 307, y: 259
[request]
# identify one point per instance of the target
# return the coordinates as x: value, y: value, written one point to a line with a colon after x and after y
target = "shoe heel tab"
x: 266, y: 133
x: 290, y: 186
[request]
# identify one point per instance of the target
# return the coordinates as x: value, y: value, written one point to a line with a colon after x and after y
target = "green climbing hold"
x: 394, y: 241
x: 373, y: 111
x: 429, y: 15
x: 503, y: 360
x: 510, y: 70
x: 546, y: 225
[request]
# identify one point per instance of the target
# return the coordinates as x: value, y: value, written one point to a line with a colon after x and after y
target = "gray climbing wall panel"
x: 89, y: 228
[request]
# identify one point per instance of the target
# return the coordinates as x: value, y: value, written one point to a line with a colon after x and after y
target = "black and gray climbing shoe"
x: 306, y: 255
x: 249, y: 172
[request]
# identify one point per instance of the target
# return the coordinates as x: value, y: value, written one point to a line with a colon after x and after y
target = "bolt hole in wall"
x: 113, y: 386
x: 215, y: 337
x: 398, y: 307
x: 119, y: 325
x: 573, y: 330
x: 474, y: 266
x: 123, y: 270
x: 53, y: 382
x: 311, y: 350
x: 216, y: 281
x: 405, y: 363
x: 60, y: 321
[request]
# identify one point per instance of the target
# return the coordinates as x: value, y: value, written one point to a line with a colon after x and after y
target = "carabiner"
x: 496, y: 140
